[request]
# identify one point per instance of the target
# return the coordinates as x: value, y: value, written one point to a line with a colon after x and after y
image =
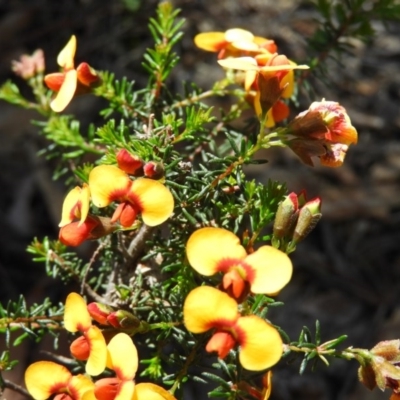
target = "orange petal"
x: 261, y: 344
x: 206, y: 307
x: 122, y: 356
x: 108, y: 183
x: 273, y: 270
x: 97, y: 360
x: 86, y: 74
x: 76, y: 315
x: 126, y: 391
x: 45, y: 378
x: 155, y: 200
x: 66, y: 56
x: 150, y: 391
x: 207, y: 247
x: 66, y: 92
x: 75, y: 233
x: 242, y: 63
x: 79, y: 385
x: 210, y: 41
x: 54, y: 81
x: 76, y: 205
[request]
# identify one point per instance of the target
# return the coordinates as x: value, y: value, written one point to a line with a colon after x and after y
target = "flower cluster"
x: 107, y: 184
x: 266, y: 271
x: 45, y: 379
x: 268, y: 76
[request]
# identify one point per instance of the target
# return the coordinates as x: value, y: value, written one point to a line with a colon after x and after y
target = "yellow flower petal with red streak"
x: 155, y: 200
x: 65, y: 58
x: 273, y: 270
x: 207, y: 247
x: 126, y: 391
x: 261, y: 344
x: 75, y: 203
x: 76, y: 315
x: 288, y: 83
x: 122, y: 356
x: 66, y: 93
x: 107, y: 183
x: 97, y: 360
x: 210, y: 41
x: 206, y: 307
x: 43, y: 378
x: 150, y: 391
x: 79, y: 385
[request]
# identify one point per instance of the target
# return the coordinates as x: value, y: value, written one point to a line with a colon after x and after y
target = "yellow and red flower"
x: 91, y: 346
x: 234, y: 42
x: 76, y: 205
x: 268, y: 77
x: 208, y: 308
x: 71, y: 80
x: 143, y: 196
x: 44, y: 379
x: 325, y: 131
x: 211, y: 250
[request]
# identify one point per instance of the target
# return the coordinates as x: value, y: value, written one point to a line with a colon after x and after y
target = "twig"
x: 16, y: 388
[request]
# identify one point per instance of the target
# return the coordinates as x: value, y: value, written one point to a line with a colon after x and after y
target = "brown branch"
x: 16, y: 388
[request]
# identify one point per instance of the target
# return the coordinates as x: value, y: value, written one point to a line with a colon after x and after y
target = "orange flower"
x: 92, y: 345
x: 70, y: 81
x: 208, y: 308
x: 212, y: 250
x: 324, y: 130
x: 122, y: 358
x: 234, y: 42
x: 268, y: 77
x: 76, y: 205
x: 45, y: 378
x: 143, y: 196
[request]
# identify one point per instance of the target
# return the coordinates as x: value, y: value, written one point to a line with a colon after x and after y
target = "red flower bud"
x: 99, y: 312
x: 154, y: 170
x: 123, y: 319
x: 309, y: 215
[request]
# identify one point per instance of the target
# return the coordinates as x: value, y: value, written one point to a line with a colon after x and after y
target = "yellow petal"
x: 76, y: 204
x: 207, y: 247
x: 66, y: 56
x: 236, y: 34
x: 66, y: 93
x: 107, y: 183
x: 210, y: 41
x: 273, y: 270
x: 244, y: 45
x: 97, y: 360
x: 122, y: 356
x: 242, y: 63
x: 76, y: 315
x: 79, y: 385
x: 206, y: 307
x: 155, y: 199
x: 249, y: 79
x: 261, y: 344
x: 288, y: 83
x: 126, y: 391
x: 281, y: 67
x: 150, y: 391
x: 43, y: 378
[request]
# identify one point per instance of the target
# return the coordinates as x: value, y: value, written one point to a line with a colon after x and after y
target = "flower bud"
x: 99, y: 312
x: 129, y: 163
x: 123, y: 319
x: 154, y: 170
x: 286, y: 216
x: 29, y: 66
x: 309, y: 215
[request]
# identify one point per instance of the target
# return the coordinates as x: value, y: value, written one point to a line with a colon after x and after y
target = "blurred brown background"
x: 346, y: 273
